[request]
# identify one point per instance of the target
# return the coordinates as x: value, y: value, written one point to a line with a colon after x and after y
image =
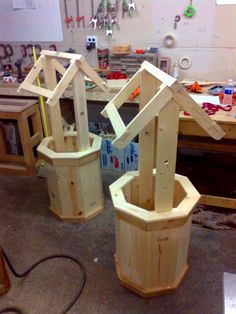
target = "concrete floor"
x: 29, y: 232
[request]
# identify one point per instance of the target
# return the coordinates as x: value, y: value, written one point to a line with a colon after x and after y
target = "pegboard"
x: 40, y: 24
x: 210, y: 27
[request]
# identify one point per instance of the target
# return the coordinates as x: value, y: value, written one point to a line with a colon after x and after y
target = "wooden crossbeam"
x: 144, y: 116
x: 61, y: 55
x: 81, y: 114
x: 32, y: 75
x: 199, y: 115
x: 168, y: 80
x: 125, y: 92
x: 167, y: 137
x: 148, y: 85
x: 36, y: 90
x: 115, y: 119
x: 58, y: 66
x: 93, y: 75
x: 63, y: 83
x: 54, y: 111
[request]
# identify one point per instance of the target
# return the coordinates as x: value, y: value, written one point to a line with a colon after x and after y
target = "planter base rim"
x: 145, y: 293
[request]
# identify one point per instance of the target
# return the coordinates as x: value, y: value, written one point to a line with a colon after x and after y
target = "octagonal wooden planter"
x: 152, y: 248
x: 73, y: 177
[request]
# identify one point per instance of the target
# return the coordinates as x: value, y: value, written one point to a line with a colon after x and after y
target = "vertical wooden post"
x: 167, y: 137
x: 146, y: 143
x: 55, y: 111
x: 81, y: 113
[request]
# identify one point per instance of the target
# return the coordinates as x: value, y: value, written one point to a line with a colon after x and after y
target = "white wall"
x: 208, y: 39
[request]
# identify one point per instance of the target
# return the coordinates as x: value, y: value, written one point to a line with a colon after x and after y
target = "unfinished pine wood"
x: 54, y: 111
x: 151, y: 263
x: 168, y: 80
x: 63, y: 83
x: 224, y: 202
x: 148, y: 85
x: 199, y: 115
x: 36, y: 90
x: 159, y: 100
x: 152, y: 248
x: 73, y: 194
x: 81, y: 114
x: 124, y: 93
x: 167, y: 138
x: 21, y: 110
x: 152, y: 245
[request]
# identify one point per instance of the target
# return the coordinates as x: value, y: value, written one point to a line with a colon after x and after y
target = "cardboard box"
x: 131, y: 156
x: 111, y: 157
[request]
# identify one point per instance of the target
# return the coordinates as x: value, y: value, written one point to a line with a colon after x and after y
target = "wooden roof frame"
x: 169, y: 89
x: 159, y: 94
x: 49, y: 63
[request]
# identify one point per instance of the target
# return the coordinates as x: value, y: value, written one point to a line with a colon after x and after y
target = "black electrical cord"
x: 25, y: 273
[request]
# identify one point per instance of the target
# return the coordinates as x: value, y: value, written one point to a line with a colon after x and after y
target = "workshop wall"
x: 207, y: 38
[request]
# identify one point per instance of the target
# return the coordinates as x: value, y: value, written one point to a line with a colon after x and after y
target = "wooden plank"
x: 146, y: 144
x: 190, y: 127
x: 200, y: 116
x: 63, y: 83
x: 54, y: 112
x: 36, y: 90
x: 168, y: 80
x: 58, y: 66
x: 25, y: 138
x: 93, y: 75
x: 115, y: 119
x: 81, y: 114
x: 125, y: 92
x: 61, y: 55
x: 167, y: 136
x: 34, y: 72
x: 160, y: 99
x: 224, y: 202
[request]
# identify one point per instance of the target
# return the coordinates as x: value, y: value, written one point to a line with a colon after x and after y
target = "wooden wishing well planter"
x: 154, y: 206
x: 72, y: 158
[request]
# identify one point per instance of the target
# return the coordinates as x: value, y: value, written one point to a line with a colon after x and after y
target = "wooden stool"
x: 26, y: 114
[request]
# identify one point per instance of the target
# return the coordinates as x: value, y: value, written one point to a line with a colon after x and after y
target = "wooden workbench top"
x: 95, y: 94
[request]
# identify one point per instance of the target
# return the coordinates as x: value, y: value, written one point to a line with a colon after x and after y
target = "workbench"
x: 191, y: 135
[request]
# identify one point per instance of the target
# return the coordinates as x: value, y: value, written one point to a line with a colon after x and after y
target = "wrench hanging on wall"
x: 94, y: 19
x: 9, y: 52
x: 79, y: 17
x: 68, y: 20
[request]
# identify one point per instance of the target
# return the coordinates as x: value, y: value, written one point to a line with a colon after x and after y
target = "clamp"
x: 23, y: 50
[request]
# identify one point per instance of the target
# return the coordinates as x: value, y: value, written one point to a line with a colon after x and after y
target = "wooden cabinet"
x: 20, y: 134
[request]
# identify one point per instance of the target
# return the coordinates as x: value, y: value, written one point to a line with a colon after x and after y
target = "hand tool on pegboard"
x: 125, y: 8
x: 3, y: 55
x: 9, y: 52
x: 94, y: 19
x: 101, y: 17
x: 23, y: 50
x: 53, y: 47
x: 112, y: 12
x: 29, y: 52
x: 18, y: 65
x: 38, y: 49
x: 79, y: 17
x: 190, y: 10
x: 177, y: 19
x: 68, y: 20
